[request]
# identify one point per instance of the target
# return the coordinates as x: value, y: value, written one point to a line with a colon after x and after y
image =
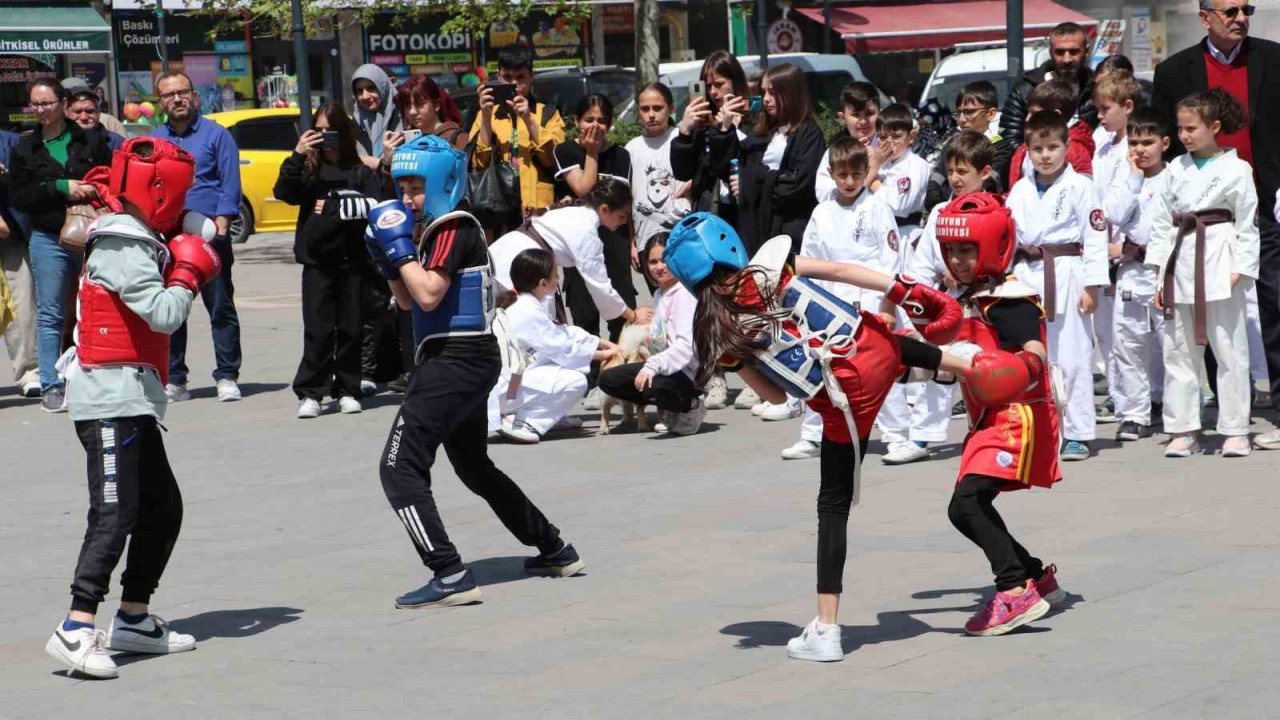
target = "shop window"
x: 274, y: 134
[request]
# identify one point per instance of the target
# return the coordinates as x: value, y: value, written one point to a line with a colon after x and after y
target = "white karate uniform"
x: 573, y: 233
x: 1138, y: 356
x: 1230, y: 248
x: 1068, y: 212
x: 556, y: 379
x: 903, y: 184
x: 864, y: 233
x: 1118, y: 186
x: 824, y: 186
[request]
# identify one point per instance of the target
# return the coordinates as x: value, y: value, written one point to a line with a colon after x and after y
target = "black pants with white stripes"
x: 132, y: 496
x: 446, y: 405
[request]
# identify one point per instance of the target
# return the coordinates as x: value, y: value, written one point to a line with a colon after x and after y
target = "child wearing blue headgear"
x: 434, y: 256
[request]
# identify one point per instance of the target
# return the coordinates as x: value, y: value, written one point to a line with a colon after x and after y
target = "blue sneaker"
x: 563, y: 563
x: 438, y: 593
x: 1075, y: 451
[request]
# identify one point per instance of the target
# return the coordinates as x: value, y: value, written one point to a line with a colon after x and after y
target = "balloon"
x: 147, y: 110
x: 131, y: 112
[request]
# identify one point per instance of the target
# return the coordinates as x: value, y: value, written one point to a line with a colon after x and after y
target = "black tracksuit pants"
x: 132, y: 496
x: 835, y: 497
x: 446, y: 405
x: 673, y: 393
x: 332, y: 334
x: 972, y: 511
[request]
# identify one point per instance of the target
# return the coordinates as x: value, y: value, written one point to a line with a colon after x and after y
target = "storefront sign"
x: 1110, y: 40
x: 15, y: 72
x: 421, y: 42
x: 618, y: 19
x: 784, y: 37
x: 1141, y: 51
x: 61, y: 42
x: 555, y: 41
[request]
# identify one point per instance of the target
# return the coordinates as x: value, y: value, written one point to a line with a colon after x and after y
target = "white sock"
x: 451, y: 579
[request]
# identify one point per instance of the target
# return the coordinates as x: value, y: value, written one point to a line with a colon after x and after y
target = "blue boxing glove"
x: 390, y: 237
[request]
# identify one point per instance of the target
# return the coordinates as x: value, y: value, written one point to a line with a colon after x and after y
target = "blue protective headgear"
x: 698, y: 243
x: 443, y: 170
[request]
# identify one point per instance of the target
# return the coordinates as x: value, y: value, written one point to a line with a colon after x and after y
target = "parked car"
x: 990, y: 64
x: 265, y: 138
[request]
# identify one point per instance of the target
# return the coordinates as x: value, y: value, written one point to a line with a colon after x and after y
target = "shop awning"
x: 55, y: 30
x: 937, y: 25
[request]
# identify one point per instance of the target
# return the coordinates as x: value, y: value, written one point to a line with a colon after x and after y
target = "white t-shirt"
x: 777, y: 148
x: 652, y: 185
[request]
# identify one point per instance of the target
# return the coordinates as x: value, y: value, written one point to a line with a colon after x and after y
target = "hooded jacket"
x: 371, y: 125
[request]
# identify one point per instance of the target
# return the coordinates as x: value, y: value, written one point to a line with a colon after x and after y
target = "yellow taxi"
x: 265, y: 138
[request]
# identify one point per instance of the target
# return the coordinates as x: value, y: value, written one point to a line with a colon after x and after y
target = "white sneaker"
x: 308, y: 408
x: 228, y: 391
x: 905, y: 452
x: 665, y: 419
x: 368, y: 387
x: 688, y: 423
x: 1267, y: 440
x: 151, y: 636
x: 568, y: 422
x: 593, y: 400
x: 817, y: 645
x: 84, y: 650
x: 782, y: 411
x: 348, y: 405
x: 177, y: 393
x: 746, y: 399
x: 801, y: 450
x: 758, y: 409
x: 717, y: 393
x: 521, y: 432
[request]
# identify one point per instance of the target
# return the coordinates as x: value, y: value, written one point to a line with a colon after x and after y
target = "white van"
x: 990, y: 64
x: 827, y: 76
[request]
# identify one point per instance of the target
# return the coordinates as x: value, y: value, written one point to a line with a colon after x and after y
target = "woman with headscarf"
x: 375, y: 112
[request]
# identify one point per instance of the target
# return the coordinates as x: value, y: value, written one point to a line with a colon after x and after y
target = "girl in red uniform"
x: 1013, y: 438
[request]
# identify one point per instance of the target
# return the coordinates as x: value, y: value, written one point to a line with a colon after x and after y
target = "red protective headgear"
x: 979, y: 218
x: 154, y: 175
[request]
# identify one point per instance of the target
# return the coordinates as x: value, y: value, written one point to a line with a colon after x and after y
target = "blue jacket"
x: 18, y: 222
x: 216, y: 190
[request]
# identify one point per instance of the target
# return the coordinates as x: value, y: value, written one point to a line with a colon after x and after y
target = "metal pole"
x: 303, y: 68
x: 164, y: 41
x: 762, y: 32
x: 1013, y: 19
x: 826, y: 26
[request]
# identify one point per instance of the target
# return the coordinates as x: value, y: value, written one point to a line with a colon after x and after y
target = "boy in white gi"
x: 1062, y: 253
x: 855, y: 227
x: 1204, y: 242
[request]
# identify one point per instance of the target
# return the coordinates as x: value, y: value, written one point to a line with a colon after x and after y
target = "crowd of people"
x: 1085, y: 228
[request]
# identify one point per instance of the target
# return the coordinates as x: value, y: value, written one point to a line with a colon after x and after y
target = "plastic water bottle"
x: 733, y: 173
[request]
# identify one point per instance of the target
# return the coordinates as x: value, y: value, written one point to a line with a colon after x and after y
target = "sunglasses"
x: 1235, y: 12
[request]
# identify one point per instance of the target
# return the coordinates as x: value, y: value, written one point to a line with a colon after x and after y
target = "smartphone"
x: 756, y: 103
x: 697, y: 89
x: 502, y: 92
x: 329, y: 139
x: 411, y: 135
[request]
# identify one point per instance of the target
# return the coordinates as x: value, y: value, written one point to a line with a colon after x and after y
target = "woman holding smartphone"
x: 333, y: 190
x: 709, y: 132
x: 426, y: 109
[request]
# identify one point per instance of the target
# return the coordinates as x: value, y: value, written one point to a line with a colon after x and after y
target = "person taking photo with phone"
x: 710, y: 127
x: 524, y: 130
x: 333, y: 190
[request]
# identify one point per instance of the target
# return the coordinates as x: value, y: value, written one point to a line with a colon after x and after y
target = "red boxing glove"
x: 998, y: 377
x: 935, y: 314
x: 195, y: 263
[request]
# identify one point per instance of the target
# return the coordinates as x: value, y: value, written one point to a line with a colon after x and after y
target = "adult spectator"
x: 216, y: 194
x: 76, y: 85
x: 375, y: 113
x: 1229, y: 58
x: 83, y: 110
x: 709, y: 132
x: 20, y: 336
x: 534, y: 128
x: 425, y: 107
x: 1068, y: 60
x: 48, y: 165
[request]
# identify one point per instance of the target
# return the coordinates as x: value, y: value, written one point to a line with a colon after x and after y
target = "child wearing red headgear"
x: 1013, y: 437
x: 136, y: 288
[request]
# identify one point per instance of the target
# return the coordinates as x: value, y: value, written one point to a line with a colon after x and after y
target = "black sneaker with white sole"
x: 439, y: 593
x: 562, y: 563
x: 1130, y: 430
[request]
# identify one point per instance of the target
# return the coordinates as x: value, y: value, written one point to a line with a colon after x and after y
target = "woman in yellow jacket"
x: 535, y: 128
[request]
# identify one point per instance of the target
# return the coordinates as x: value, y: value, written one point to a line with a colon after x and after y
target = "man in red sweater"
x: 1245, y: 67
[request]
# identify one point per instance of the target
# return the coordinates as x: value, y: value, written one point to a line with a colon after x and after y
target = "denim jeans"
x: 54, y: 270
x: 219, y: 300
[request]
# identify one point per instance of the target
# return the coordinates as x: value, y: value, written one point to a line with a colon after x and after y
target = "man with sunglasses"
x: 1229, y: 58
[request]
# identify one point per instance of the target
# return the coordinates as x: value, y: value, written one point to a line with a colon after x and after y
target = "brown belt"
x: 1186, y: 223
x: 1048, y: 253
x: 562, y: 318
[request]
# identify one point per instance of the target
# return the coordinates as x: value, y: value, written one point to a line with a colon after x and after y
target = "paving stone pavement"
x: 700, y: 567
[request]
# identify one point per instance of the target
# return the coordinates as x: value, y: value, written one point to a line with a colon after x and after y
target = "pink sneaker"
x: 1006, y: 612
x: 1047, y: 586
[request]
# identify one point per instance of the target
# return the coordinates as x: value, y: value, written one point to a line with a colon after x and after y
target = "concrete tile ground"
x: 700, y: 567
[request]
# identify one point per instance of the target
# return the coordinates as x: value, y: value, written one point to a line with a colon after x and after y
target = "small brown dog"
x: 634, y: 344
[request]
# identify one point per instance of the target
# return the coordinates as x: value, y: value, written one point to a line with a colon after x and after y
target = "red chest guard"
x: 109, y: 334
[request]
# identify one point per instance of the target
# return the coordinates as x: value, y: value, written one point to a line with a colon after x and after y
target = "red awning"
x: 937, y: 25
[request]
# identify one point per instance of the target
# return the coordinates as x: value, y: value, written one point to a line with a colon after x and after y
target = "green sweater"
x: 57, y: 148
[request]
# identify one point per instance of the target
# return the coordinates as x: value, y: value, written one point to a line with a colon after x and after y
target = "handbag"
x: 494, y: 191
x: 75, y: 229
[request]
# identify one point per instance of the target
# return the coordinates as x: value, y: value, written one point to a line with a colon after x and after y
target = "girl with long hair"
x: 710, y: 128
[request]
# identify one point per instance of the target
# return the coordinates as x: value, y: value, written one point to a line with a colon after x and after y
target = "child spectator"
x: 977, y: 106
x: 861, y: 118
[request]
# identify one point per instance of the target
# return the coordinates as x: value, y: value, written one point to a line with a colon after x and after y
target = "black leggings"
x: 673, y: 393
x: 973, y: 513
x: 835, y: 497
